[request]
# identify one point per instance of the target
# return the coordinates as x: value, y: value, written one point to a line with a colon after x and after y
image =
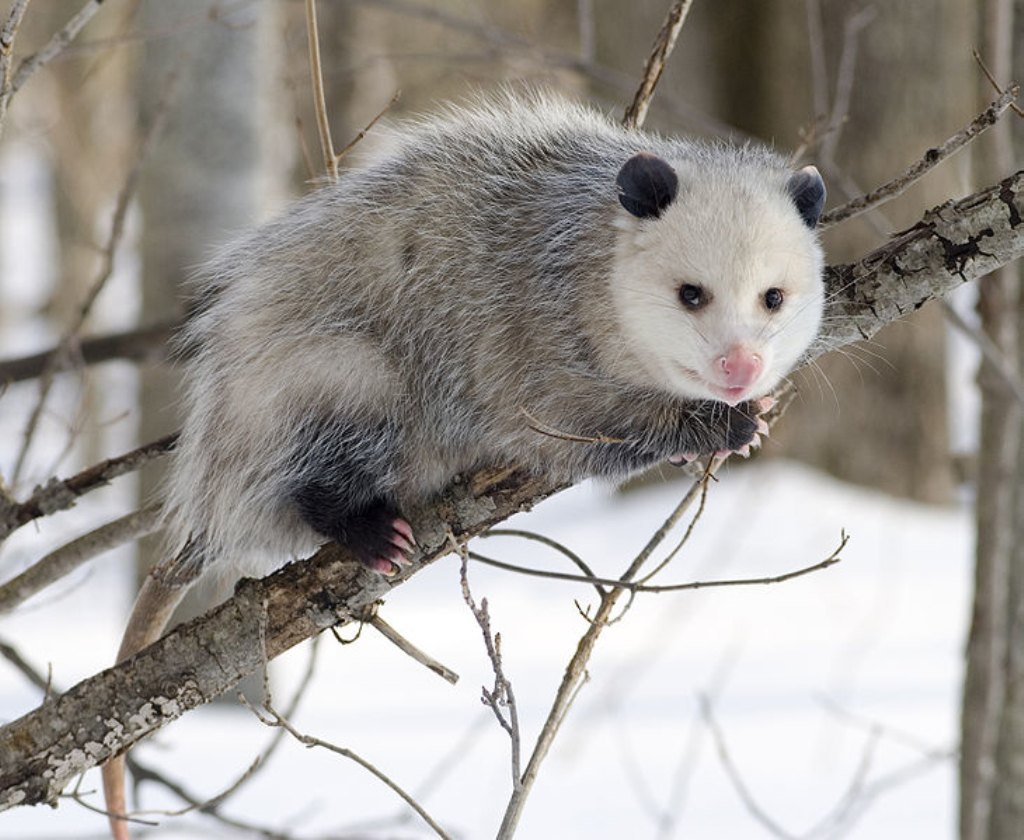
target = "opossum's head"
x: 717, y: 280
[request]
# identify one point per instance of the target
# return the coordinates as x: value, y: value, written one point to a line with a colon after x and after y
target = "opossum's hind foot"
x: 397, y: 554
x: 377, y: 535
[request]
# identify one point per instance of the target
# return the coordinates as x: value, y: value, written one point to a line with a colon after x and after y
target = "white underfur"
x: 478, y: 267
x: 736, y: 237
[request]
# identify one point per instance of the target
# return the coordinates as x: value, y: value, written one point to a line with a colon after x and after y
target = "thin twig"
x: 8, y: 32
x: 319, y: 99
x: 11, y: 654
x: 992, y: 80
x: 995, y: 357
x: 367, y: 129
x: 56, y: 45
x: 501, y: 695
x: 544, y: 540
x: 543, y: 428
x: 149, y: 342
x: 636, y: 113
x: 68, y: 557
x: 276, y: 719
x: 845, y: 74
x: 407, y: 647
x: 889, y: 190
x: 689, y: 530
x: 633, y: 586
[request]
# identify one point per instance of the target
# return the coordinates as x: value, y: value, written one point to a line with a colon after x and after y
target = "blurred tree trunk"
x: 876, y: 416
x: 992, y: 719
x: 200, y: 181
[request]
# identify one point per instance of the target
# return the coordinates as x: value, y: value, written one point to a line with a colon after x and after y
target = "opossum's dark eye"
x: 693, y: 297
x: 773, y: 299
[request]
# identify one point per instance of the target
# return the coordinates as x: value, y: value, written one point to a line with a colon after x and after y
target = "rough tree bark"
x: 46, y: 749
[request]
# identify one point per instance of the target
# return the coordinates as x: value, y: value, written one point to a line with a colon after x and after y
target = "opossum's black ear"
x: 808, y: 193
x: 647, y: 185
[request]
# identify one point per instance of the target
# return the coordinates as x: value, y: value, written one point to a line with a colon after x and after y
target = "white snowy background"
x: 836, y: 694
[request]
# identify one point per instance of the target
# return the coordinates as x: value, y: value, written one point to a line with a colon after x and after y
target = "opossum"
x: 515, y: 264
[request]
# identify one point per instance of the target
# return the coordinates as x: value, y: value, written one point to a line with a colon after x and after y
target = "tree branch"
x: 43, y: 751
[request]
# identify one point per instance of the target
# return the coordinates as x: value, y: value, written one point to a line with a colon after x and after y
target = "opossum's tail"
x: 162, y: 591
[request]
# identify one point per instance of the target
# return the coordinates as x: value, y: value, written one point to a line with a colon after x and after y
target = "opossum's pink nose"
x: 740, y: 367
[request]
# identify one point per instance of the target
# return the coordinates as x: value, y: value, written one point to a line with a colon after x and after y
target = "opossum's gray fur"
x: 413, y: 314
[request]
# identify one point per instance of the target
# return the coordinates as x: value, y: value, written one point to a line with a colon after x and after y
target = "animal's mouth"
x: 732, y: 395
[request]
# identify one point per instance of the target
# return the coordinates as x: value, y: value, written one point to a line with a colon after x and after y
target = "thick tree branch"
x: 61, y: 494
x: 44, y: 750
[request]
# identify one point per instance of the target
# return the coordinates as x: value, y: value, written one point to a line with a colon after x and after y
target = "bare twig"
x: 8, y: 32
x: 664, y: 43
x: 915, y: 172
x: 319, y: 99
x: 1000, y: 364
x: 845, y: 74
x: 705, y: 484
x: 11, y: 654
x: 367, y: 129
x: 138, y: 343
x: 69, y: 557
x: 60, y: 494
x: 407, y: 647
x: 992, y: 80
x: 274, y: 719
x: 501, y: 695
x: 544, y: 540
x: 56, y: 45
x: 634, y: 586
x: 543, y: 428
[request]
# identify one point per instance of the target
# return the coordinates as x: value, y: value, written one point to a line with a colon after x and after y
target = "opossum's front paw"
x: 744, y: 426
x: 729, y: 429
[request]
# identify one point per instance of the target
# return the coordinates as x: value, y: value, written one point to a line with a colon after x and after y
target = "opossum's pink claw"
x: 762, y: 427
x: 405, y: 529
x: 679, y: 459
x: 764, y: 404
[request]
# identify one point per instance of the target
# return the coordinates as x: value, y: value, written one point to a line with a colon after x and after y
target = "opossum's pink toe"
x: 744, y: 451
x: 765, y: 404
x: 762, y: 427
x: 405, y: 529
x: 400, y: 542
x: 399, y: 557
x: 384, y: 566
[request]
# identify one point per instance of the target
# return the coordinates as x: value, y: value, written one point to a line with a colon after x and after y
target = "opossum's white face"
x: 717, y: 282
